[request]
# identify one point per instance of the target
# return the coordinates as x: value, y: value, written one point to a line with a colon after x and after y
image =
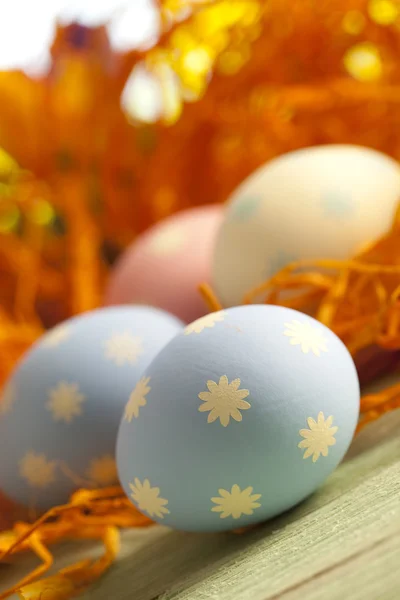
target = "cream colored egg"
x: 319, y: 202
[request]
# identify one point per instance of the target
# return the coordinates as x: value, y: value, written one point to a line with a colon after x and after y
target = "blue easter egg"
x: 237, y: 419
x: 62, y: 406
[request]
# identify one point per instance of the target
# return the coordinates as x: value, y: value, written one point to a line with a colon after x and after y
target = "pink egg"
x: 164, y: 266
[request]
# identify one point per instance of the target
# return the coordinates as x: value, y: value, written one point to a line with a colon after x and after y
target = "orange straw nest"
x: 89, y: 515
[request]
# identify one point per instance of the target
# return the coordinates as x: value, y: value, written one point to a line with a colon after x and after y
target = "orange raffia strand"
x: 393, y: 320
x: 280, y: 281
x: 75, y: 578
x: 91, y: 514
x: 327, y: 310
x: 209, y: 297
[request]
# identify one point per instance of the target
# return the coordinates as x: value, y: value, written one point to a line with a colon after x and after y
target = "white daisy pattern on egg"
x: 337, y: 204
x: 103, y: 470
x: 306, y: 336
x: 7, y: 399
x: 137, y: 399
x: 65, y: 401
x: 56, y: 336
x: 148, y: 499
x: 37, y: 470
x: 318, y: 437
x: 224, y: 400
x: 236, y: 502
x: 206, y: 322
x: 123, y: 348
x: 168, y: 241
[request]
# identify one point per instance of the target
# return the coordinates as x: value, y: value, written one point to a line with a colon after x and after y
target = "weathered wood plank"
x: 343, y: 542
x: 373, y: 573
x: 274, y: 562
x: 358, y: 508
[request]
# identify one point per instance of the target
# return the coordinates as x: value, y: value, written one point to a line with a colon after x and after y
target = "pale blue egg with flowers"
x: 62, y: 406
x: 239, y: 418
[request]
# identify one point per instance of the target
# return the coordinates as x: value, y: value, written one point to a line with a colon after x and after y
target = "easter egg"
x: 61, y: 408
x: 320, y: 202
x: 165, y: 265
x: 240, y: 417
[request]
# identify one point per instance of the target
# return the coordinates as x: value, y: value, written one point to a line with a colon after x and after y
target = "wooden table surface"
x: 343, y: 543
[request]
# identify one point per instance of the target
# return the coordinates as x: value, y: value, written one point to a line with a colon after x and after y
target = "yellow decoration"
x: 318, y: 437
x: 306, y: 336
x: 236, y: 503
x: 65, y: 401
x: 123, y: 348
x: 224, y: 400
x: 206, y: 322
x: 37, y: 470
x: 148, y: 498
x: 137, y: 399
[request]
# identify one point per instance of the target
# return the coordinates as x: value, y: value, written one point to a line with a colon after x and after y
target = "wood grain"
x: 343, y: 543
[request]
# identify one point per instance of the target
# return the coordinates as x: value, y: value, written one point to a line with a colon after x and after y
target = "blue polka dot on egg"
x: 243, y: 209
x: 337, y: 204
x: 240, y: 417
x: 61, y: 408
